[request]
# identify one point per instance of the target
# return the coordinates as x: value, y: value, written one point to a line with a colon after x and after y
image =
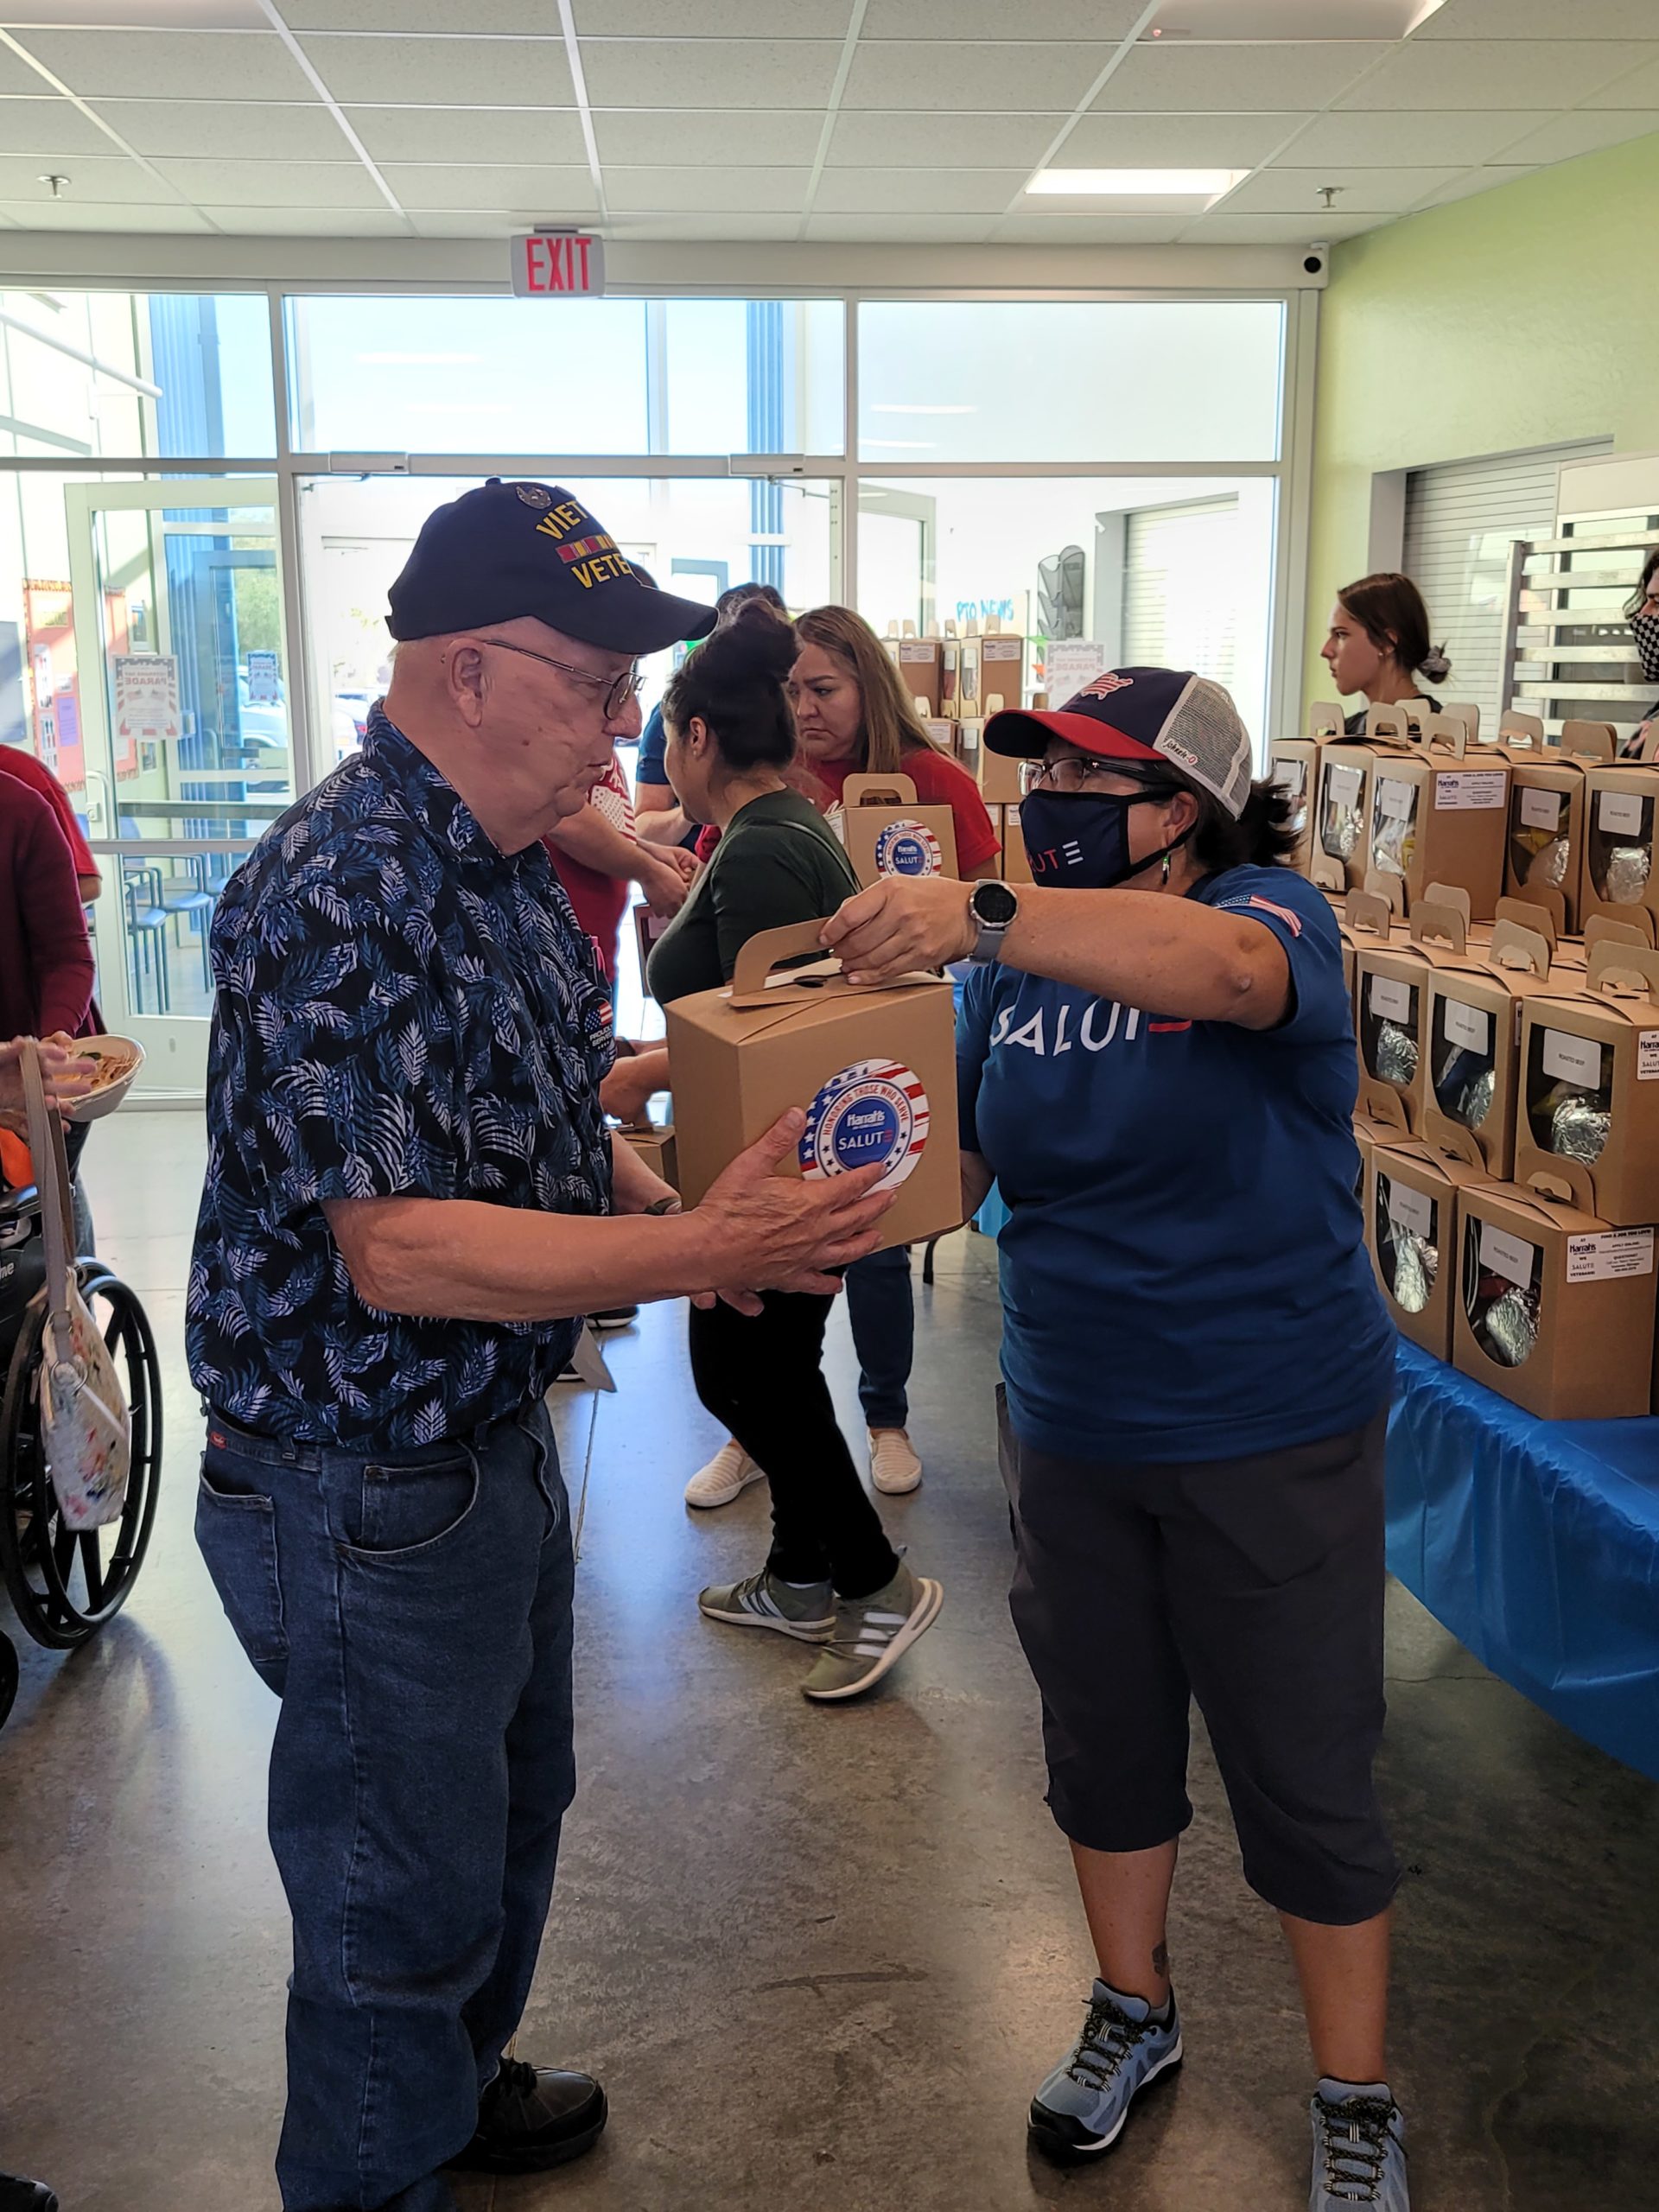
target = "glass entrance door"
x: 182, y: 658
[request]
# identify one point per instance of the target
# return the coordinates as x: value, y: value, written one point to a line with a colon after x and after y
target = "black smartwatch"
x: 993, y: 907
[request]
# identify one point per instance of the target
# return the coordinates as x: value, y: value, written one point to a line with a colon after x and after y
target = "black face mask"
x: 1080, y: 842
x: 1644, y: 628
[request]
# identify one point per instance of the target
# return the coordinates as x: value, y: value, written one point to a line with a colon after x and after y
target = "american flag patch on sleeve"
x: 1293, y: 922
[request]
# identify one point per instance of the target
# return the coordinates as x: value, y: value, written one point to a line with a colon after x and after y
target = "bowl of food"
x: 118, y: 1060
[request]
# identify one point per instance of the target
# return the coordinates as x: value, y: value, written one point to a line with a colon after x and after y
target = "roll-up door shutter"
x: 1178, y: 609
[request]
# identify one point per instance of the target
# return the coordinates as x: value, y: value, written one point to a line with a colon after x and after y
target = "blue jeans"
x: 881, y: 1312
x: 413, y: 1614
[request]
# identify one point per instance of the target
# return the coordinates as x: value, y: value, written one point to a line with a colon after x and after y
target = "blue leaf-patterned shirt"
x: 400, y: 1008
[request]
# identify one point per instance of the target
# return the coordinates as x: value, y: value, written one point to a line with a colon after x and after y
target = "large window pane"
x: 490, y: 375
x: 90, y: 374
x: 1069, y: 380
x: 1175, y: 572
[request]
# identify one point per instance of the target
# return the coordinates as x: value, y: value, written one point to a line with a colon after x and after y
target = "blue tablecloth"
x: 1537, y: 1544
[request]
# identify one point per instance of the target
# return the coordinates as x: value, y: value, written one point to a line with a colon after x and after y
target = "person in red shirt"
x: 597, y: 855
x: 15, y: 762
x: 46, y: 958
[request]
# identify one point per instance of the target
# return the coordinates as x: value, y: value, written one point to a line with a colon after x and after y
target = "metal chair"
x: 147, y: 921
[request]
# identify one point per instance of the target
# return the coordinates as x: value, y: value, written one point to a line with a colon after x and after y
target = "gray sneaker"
x: 871, y: 1634
x: 1081, y: 2109
x: 1359, y: 2148
x: 762, y: 1601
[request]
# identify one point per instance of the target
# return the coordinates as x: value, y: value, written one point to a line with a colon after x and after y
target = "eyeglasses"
x: 618, y: 689
x: 1070, y: 774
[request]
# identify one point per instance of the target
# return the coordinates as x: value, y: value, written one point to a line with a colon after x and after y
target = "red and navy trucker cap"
x: 1166, y: 716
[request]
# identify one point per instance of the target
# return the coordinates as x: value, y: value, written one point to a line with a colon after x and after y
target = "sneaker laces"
x: 1109, y: 2037
x: 513, y: 2077
x: 1355, y: 2146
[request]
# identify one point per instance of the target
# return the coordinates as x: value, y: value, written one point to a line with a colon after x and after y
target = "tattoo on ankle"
x: 1161, y: 1960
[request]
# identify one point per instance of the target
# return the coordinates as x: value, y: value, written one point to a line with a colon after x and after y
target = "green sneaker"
x: 871, y: 1633
x: 762, y: 1601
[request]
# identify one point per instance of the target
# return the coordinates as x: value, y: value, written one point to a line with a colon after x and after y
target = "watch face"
x: 995, y: 904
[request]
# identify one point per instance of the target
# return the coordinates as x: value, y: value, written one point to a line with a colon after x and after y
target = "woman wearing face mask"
x: 1157, y: 1064
x: 1643, y: 612
x: 1378, y: 645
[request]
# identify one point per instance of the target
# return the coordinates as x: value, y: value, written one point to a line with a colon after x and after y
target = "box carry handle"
x: 1522, y: 729
x: 766, y: 948
x: 1624, y: 970
x: 1601, y: 929
x: 1432, y: 923
x: 1325, y: 719
x: 1370, y: 912
x: 1565, y: 1184
x: 1590, y: 740
x: 877, y: 791
x: 1519, y: 948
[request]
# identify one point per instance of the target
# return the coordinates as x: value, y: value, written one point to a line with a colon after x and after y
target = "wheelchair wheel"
x: 8, y: 1674
x: 65, y: 1583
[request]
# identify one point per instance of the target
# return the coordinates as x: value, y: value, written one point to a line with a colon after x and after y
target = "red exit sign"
x: 558, y: 265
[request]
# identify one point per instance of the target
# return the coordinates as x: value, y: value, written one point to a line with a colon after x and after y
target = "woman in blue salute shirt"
x: 1157, y: 1064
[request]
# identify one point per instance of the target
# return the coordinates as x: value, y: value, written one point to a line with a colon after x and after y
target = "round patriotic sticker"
x: 874, y: 1113
x: 908, y: 848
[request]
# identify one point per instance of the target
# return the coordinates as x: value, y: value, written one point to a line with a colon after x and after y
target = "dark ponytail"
x: 1262, y: 837
x: 733, y: 683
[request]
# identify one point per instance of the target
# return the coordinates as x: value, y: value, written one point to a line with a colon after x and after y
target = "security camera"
x: 1314, y: 260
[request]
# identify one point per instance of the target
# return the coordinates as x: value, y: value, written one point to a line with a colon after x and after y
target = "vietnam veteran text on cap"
x: 511, y: 550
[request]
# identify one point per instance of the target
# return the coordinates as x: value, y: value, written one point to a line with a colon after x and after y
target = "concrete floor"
x: 820, y: 1956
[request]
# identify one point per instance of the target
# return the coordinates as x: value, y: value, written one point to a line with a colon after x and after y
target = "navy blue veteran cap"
x: 1167, y: 717
x: 511, y: 550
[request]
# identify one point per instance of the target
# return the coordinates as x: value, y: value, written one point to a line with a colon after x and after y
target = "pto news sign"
x: 558, y: 264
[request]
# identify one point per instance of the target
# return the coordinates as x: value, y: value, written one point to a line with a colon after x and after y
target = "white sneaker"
x: 894, y: 1467
x: 727, y: 1476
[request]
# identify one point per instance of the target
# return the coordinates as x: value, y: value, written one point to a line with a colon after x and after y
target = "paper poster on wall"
x: 264, y: 685
x: 147, y: 696
x: 1068, y: 665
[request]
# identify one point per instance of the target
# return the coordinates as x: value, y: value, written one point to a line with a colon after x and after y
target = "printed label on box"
x: 1467, y: 790
x: 1512, y: 1257
x: 1647, y: 1056
x: 1574, y: 1060
x: 916, y: 652
x: 1395, y: 797
x: 1468, y: 1025
x: 1620, y: 812
x: 1390, y: 1001
x: 875, y: 1113
x: 1542, y: 809
x: 1291, y: 776
x: 1615, y: 1252
x: 1343, y: 785
x: 1411, y: 1210
x: 908, y: 848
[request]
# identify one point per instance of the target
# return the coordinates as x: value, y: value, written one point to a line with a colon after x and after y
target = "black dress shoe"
x: 17, y: 2194
x: 531, y: 2118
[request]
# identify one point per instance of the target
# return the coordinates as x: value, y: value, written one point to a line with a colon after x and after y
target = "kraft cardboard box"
x: 1002, y: 669
x: 1553, y: 1307
x: 1362, y: 920
x: 921, y: 671
x: 654, y: 1145
x: 1438, y: 815
x: 1016, y: 861
x: 1391, y: 979
x: 875, y: 1070
x: 1342, y: 798
x: 1472, y: 1037
x: 887, y: 833
x: 1544, y: 851
x: 1293, y: 763
x: 1621, y: 870
x: 1410, y: 1233
x: 1587, y: 1114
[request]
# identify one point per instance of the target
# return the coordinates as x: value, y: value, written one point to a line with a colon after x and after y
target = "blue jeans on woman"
x: 412, y: 1612
x: 881, y: 1312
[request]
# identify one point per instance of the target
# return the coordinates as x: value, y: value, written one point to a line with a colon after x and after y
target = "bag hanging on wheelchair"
x: 86, y: 1425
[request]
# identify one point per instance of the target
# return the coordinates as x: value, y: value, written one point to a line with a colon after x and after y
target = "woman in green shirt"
x: 832, y: 1578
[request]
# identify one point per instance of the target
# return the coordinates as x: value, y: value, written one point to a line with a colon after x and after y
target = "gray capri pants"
x: 1254, y: 1585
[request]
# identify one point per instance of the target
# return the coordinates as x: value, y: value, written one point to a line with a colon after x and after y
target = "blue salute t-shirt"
x: 1184, y: 1275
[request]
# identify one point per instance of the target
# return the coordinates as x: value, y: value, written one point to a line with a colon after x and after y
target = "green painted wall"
x: 1523, y: 316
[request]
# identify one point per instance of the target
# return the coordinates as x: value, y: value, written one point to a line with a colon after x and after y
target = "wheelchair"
x: 65, y: 1583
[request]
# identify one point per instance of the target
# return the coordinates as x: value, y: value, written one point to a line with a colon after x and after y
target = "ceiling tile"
x: 1640, y: 89
x: 1238, y: 79
x: 51, y: 126
x: 1477, y: 181
x: 938, y: 192
x: 1352, y: 139
x: 108, y: 216
x: 544, y: 192
x: 91, y: 181
x: 1229, y: 141
x: 525, y: 18
x: 1291, y: 191
x: 1539, y: 19
x: 774, y: 19
x: 1098, y: 228
x: 157, y: 15
x: 926, y: 142
x: 902, y: 229
x: 536, y: 136
x: 717, y: 228
x: 700, y: 191
x: 16, y: 76
x: 169, y: 64
x: 1546, y: 74
x: 311, y: 222
x: 1278, y: 230
x: 689, y: 139
x: 273, y: 184
x: 1101, y: 20
x: 967, y: 79
x: 212, y: 131
x: 708, y: 72
x: 1587, y: 133
x: 442, y: 72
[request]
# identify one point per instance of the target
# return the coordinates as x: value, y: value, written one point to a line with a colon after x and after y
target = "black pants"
x: 1254, y: 1585
x: 763, y: 1380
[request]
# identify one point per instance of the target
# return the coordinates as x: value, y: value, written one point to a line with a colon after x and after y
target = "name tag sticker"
x: 1343, y: 786
x: 1542, y: 809
x: 1470, y: 1026
x: 1512, y: 1257
x: 1467, y: 790
x: 1621, y: 812
x: 1614, y: 1253
x: 1390, y: 1001
x: 1647, y: 1056
x: 1395, y: 797
x: 1412, y: 1210
x: 1573, y: 1059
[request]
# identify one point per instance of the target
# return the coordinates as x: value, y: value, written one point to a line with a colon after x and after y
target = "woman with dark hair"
x: 1379, y: 644
x: 656, y: 811
x: 832, y: 1578
x: 1642, y: 611
x: 1156, y: 1057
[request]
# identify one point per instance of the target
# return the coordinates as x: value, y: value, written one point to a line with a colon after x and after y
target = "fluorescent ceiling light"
x: 1138, y: 184
x: 1264, y: 22
x: 902, y: 407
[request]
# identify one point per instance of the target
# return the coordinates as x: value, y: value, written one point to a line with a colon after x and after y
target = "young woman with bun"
x: 1379, y: 645
x: 832, y: 1578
